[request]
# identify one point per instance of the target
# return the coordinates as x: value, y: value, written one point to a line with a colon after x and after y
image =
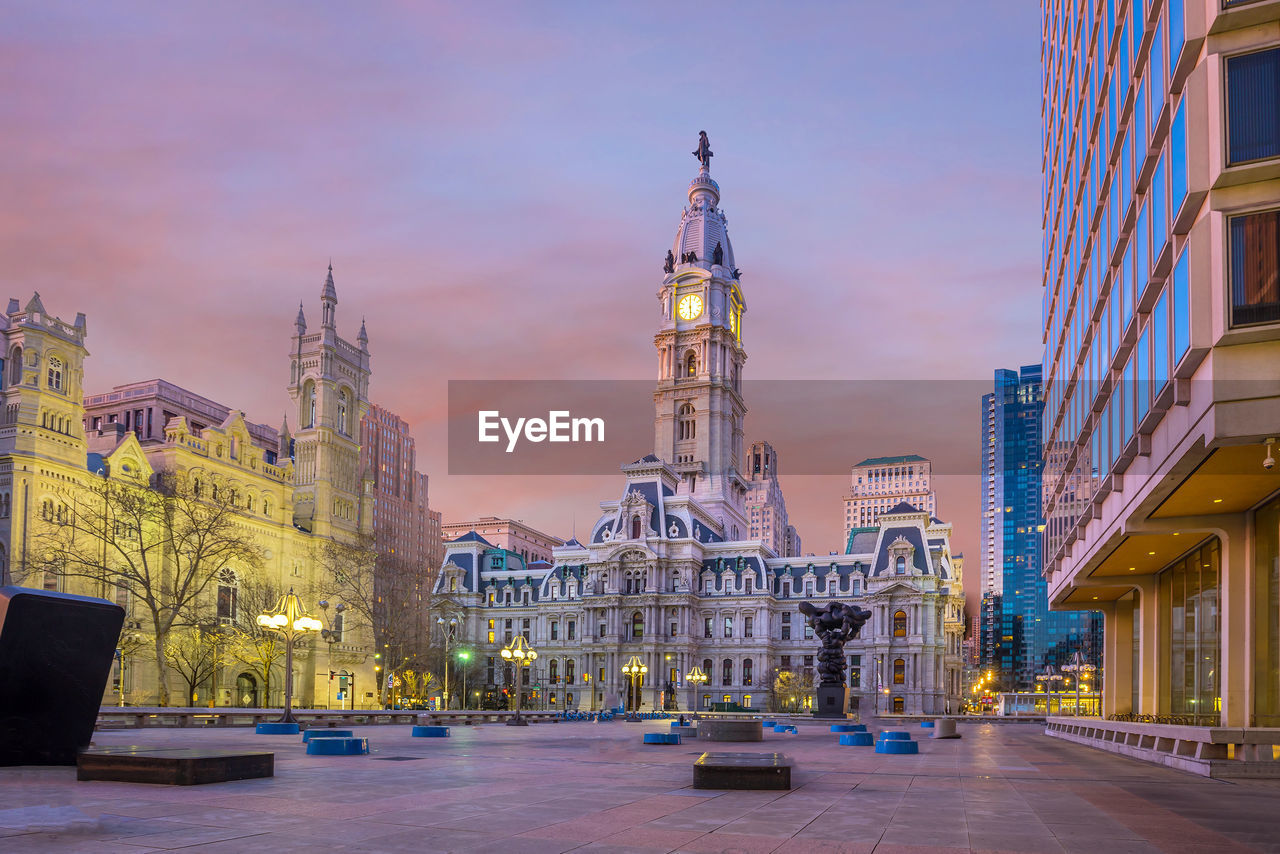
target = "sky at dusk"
x: 497, y: 184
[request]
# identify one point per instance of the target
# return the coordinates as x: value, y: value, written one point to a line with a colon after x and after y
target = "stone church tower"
x: 329, y: 387
x: 699, y: 410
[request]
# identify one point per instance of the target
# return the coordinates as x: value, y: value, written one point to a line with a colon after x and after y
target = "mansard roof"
x: 472, y: 537
x: 889, y: 461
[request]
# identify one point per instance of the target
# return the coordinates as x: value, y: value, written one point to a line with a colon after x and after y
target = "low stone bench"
x: 176, y: 766
x: 277, y: 728
x: 337, y: 747
x: 662, y: 738
x: 730, y: 730
x: 430, y: 732
x: 686, y: 730
x: 742, y: 771
x: 326, y: 732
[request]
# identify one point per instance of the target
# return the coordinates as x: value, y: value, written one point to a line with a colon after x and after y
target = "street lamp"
x: 635, y: 669
x: 519, y: 654
x: 331, y: 635
x: 1081, y: 670
x: 290, y: 620
x: 464, y: 655
x: 448, y: 637
x: 697, y: 679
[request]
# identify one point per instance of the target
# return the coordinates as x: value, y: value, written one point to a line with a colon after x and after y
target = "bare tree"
x: 385, y: 595
x: 790, y: 689
x: 195, y: 653
x: 162, y: 542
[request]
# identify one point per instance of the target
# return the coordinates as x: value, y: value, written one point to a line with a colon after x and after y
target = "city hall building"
x: 671, y: 572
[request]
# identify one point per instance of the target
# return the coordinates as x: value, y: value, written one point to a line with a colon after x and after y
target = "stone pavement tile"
x: 648, y: 838
x: 191, y: 835
x: 895, y: 848
x: 1109, y: 846
x: 1007, y: 841
x: 582, y: 829
x: 905, y: 835
x: 68, y: 844
x: 1092, y: 827
x: 421, y: 840
x: 731, y: 843
x: 797, y: 845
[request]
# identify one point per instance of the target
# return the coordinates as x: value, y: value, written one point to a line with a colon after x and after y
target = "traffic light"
x: 331, y: 675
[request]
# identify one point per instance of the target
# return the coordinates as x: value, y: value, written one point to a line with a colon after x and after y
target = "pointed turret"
x: 328, y: 301
x: 282, y: 449
x: 35, y: 306
x: 300, y: 323
x: 363, y: 337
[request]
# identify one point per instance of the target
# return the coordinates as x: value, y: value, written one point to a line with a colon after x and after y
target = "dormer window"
x: 900, y: 565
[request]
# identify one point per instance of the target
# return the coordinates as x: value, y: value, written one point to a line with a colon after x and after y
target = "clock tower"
x: 699, y: 410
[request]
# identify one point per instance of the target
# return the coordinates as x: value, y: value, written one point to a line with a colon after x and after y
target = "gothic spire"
x: 363, y: 337
x: 301, y: 322
x: 328, y: 301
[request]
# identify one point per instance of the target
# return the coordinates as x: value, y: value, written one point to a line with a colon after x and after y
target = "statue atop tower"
x: 703, y: 152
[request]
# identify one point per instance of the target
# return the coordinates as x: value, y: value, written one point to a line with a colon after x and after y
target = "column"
x: 1117, y: 666
x: 1235, y: 625
x: 1149, y: 687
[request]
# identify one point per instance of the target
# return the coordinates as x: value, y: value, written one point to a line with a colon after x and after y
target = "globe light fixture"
x: 519, y: 654
x: 290, y: 620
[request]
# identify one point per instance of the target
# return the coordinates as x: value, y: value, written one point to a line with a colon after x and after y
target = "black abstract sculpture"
x: 835, y: 625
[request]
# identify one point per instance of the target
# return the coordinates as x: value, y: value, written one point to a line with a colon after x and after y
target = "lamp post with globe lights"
x: 696, y: 679
x: 634, y: 669
x: 519, y: 654
x: 1081, y: 670
x: 290, y: 620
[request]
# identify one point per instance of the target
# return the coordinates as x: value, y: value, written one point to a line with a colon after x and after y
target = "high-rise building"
x: 879, y: 484
x: 1019, y: 636
x: 1162, y: 334
x: 766, y: 506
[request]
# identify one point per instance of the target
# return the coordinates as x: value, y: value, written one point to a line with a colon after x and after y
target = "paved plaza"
x: 594, y: 787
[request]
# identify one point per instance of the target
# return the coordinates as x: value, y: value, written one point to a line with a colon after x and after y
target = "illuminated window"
x: 899, y: 671
x: 900, y: 624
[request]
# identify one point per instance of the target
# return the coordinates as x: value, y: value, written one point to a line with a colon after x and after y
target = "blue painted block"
x: 277, y: 729
x: 430, y: 732
x: 325, y: 732
x: 845, y: 728
x: 769, y: 723
x: 337, y: 747
x: 858, y: 727
x: 785, y: 728
x: 897, y: 746
x: 662, y: 738
x: 857, y: 739
x: 895, y: 735
x: 928, y: 724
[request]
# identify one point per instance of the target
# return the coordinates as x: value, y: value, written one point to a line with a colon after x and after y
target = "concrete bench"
x: 662, y: 738
x: 326, y: 732
x: 686, y: 730
x: 430, y: 732
x: 857, y: 739
x: 277, y: 728
x: 177, y: 766
x: 742, y: 771
x: 337, y: 747
x: 730, y: 730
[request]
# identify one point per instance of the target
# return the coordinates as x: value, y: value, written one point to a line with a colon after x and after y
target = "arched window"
x: 691, y: 364
x: 228, y: 594
x: 899, y: 624
x: 568, y: 669
x: 266, y: 507
x: 899, y: 671
x: 728, y: 672
x: 688, y: 427
x: 900, y: 566
x: 635, y: 527
x: 553, y: 671
x: 309, y: 404
x: 708, y: 668
x: 15, y: 366
x: 637, y: 625
x: 342, y: 413
x: 899, y: 705
x: 55, y: 373
x: 746, y: 671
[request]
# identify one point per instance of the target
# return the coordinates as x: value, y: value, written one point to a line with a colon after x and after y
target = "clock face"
x: 690, y: 307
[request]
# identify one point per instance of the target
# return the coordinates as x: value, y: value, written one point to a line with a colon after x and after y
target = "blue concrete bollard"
x: 928, y: 724
x: 277, y: 728
x: 430, y: 732
x: 769, y: 723
x: 662, y: 738
x: 326, y: 733
x: 895, y: 735
x: 857, y: 739
x: 785, y: 728
x: 844, y: 728
x: 337, y: 747
x: 897, y: 746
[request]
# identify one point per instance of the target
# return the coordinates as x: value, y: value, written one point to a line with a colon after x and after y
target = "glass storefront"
x: 1191, y: 623
x: 1266, y: 599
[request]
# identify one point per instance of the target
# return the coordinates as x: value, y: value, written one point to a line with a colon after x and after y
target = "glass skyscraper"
x: 1019, y: 636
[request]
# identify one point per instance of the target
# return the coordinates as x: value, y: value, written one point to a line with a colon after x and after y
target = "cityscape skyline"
x: 405, y: 243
